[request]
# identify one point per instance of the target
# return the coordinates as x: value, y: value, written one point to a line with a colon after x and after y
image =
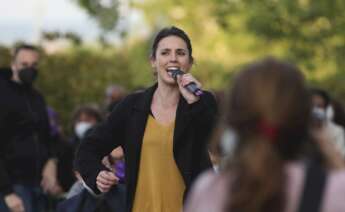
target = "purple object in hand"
x: 120, y: 170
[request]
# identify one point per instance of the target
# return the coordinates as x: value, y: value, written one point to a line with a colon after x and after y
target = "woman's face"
x: 172, y: 52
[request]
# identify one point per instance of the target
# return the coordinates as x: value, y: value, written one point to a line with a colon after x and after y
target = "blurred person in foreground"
x: 281, y: 161
x: 323, y: 110
x: 27, y: 168
x: 163, y: 132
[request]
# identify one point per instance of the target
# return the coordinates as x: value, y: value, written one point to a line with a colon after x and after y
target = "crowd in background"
x: 269, y: 119
x: 36, y: 160
x: 328, y: 112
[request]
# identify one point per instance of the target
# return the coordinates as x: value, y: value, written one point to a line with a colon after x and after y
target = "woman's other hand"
x: 105, y: 180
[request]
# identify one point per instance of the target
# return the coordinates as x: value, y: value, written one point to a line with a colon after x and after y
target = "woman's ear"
x: 153, y: 66
x: 153, y: 62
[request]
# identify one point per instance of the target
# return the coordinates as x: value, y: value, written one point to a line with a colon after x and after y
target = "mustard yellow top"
x: 160, y: 185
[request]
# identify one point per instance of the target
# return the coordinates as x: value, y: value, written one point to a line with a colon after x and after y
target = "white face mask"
x: 319, y: 114
x: 81, y: 128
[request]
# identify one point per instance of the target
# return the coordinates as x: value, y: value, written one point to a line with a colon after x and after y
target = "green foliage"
x: 80, y: 75
x: 310, y: 31
x: 52, y: 36
x: 230, y: 33
x: 5, y: 56
x: 105, y: 12
x: 225, y: 34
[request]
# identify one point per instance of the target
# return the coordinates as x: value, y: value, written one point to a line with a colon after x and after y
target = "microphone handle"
x: 191, y: 87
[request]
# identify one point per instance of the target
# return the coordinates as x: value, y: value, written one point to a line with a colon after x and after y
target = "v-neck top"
x: 160, y: 185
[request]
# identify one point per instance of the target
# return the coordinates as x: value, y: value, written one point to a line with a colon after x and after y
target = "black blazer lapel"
x: 183, y: 118
x: 138, y: 119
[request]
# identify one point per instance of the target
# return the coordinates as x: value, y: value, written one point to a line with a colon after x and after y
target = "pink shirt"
x: 210, y: 191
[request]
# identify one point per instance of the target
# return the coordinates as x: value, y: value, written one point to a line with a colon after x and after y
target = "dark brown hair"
x: 172, y: 31
x: 339, y: 112
x: 88, y: 109
x: 24, y: 47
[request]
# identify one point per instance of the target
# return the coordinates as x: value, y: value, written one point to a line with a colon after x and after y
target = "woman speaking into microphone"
x: 163, y: 131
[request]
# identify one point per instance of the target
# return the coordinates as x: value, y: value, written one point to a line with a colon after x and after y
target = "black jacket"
x: 24, y: 133
x: 126, y: 125
x: 113, y: 201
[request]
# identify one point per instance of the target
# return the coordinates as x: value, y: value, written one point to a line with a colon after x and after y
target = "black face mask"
x: 28, y: 75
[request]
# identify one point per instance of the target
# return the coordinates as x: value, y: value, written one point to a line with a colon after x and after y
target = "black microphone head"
x: 175, y: 71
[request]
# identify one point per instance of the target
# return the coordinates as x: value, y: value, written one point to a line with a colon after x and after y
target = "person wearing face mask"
x: 323, y: 113
x: 84, y: 119
x: 78, y: 198
x: 27, y: 168
x: 81, y: 129
x: 163, y: 132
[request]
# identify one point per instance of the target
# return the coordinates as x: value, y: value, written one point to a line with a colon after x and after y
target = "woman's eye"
x: 164, y: 53
x: 181, y: 53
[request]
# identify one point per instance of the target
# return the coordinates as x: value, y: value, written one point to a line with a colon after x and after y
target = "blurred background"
x: 90, y: 44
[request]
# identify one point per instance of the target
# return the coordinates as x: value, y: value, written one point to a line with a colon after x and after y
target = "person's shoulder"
x: 208, y: 94
x: 295, y: 168
x: 334, y: 128
x: 139, y: 96
x: 37, y: 94
x: 129, y: 101
x: 3, y: 84
x: 208, y: 193
x: 208, y: 98
x: 335, y: 192
x: 338, y: 178
x: 135, y: 95
x: 5, y: 75
x: 206, y: 180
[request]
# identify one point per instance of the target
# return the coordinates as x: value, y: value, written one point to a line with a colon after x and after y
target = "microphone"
x: 191, y: 87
